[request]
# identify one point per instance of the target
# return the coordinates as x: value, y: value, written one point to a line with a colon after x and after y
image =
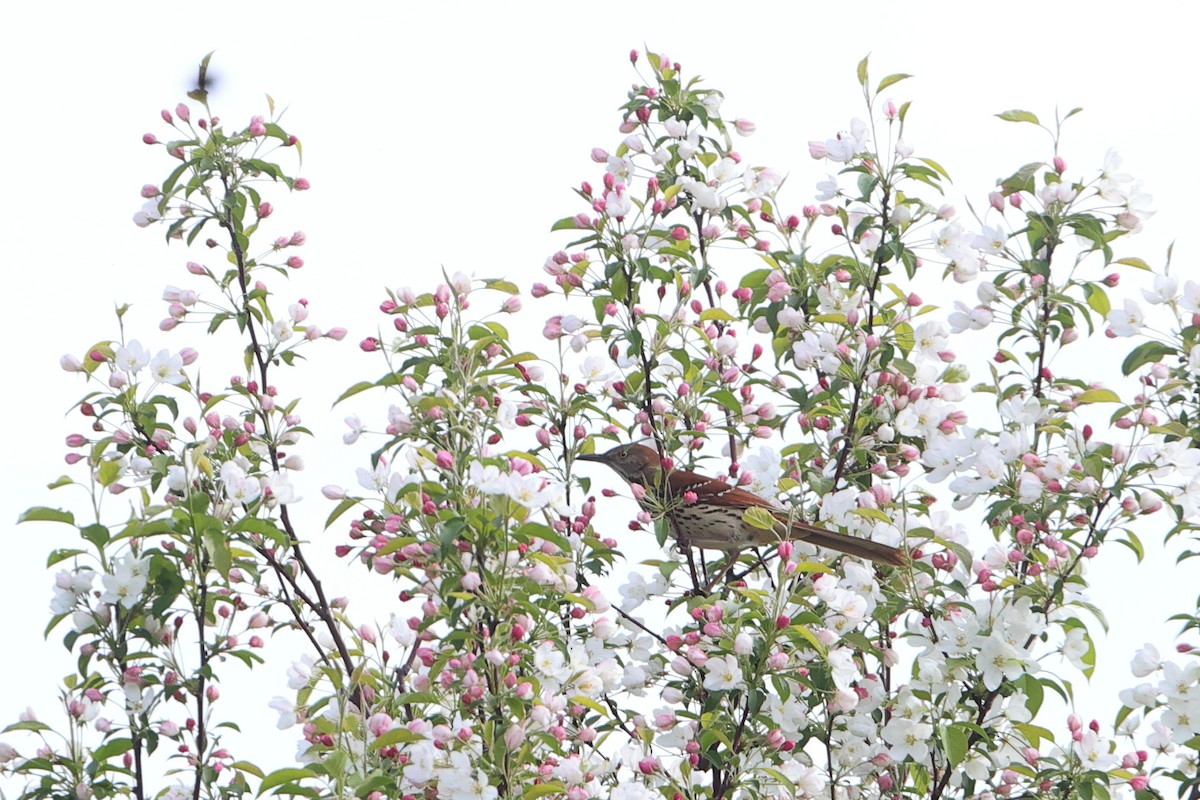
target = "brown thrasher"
x: 714, y: 519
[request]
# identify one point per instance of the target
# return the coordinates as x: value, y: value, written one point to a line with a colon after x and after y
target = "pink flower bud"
x: 149, y: 138
x: 301, y: 185
x: 183, y: 112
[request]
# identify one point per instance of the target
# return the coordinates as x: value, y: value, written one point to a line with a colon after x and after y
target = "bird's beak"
x: 590, y: 457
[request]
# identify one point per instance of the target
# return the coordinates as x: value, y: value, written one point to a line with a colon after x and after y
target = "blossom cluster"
x: 538, y: 647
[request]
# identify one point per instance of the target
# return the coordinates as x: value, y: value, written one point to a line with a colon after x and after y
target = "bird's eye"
x: 624, y: 453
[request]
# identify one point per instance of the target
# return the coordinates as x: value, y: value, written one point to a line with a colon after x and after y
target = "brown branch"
x: 322, y: 607
x: 856, y: 403
x: 201, y: 733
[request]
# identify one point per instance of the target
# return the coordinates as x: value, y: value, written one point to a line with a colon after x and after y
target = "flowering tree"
x: 528, y: 654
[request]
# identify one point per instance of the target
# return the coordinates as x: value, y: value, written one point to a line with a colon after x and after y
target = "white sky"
x: 452, y: 137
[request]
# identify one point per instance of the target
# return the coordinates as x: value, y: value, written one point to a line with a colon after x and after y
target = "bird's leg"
x: 730, y: 560
x: 682, y: 544
x: 695, y: 571
x: 691, y: 561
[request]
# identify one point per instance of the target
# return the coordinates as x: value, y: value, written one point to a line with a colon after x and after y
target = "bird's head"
x: 636, y: 463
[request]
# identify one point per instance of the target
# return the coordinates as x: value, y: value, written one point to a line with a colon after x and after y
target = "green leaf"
x: 862, y: 71
x: 218, y: 550
x: 755, y: 278
x: 1016, y: 115
x: 246, y: 766
x: 339, y: 510
x: 501, y: 285
x: 565, y: 224
x: 1145, y: 353
x: 282, y: 776
x: 759, y: 518
x: 807, y: 633
x: 590, y: 703
x: 1099, y: 396
x: 59, y: 556
x: 266, y: 167
x: 935, y: 166
x: 108, y: 472
x: 719, y: 314
x: 1033, y: 733
x: 1034, y: 693
x: 1137, y: 263
x: 1097, y: 298
x: 361, y: 386
x: 873, y: 513
x: 542, y: 789
x: 1135, y: 544
x: 28, y: 725
x: 172, y: 179
x: 96, y: 534
x: 954, y: 741
x: 263, y: 527
x: 195, y: 231
x: 891, y: 80
x: 43, y: 514
x: 113, y: 747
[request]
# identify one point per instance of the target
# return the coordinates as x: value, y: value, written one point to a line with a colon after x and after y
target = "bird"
x: 714, y: 518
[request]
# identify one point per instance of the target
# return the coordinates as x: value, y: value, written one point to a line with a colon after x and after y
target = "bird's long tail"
x: 851, y: 545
